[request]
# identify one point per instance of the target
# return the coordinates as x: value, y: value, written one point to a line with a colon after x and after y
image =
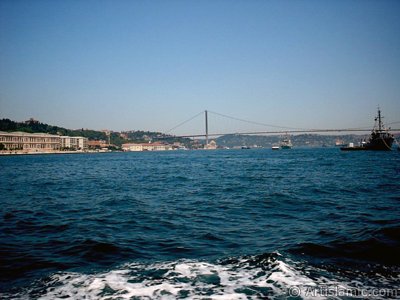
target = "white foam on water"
x: 190, y: 279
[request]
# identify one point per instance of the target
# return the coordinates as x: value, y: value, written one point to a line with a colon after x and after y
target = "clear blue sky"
x: 130, y: 65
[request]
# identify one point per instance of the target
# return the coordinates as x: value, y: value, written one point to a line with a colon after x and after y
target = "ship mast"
x: 379, y: 120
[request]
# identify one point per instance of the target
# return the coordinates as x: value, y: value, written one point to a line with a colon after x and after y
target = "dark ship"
x: 380, y: 139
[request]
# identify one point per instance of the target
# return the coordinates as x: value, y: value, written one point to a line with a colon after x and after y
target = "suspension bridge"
x: 277, y: 129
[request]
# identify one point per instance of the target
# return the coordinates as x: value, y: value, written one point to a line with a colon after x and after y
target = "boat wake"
x: 249, y: 277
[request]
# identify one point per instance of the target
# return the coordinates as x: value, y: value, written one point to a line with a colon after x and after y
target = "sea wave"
x: 270, y: 275
x: 378, y: 247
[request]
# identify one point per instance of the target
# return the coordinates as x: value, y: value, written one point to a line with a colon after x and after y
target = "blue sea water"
x: 225, y: 224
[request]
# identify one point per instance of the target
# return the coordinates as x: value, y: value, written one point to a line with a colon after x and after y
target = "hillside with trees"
x: 116, y: 138
x: 33, y: 126
x: 301, y: 140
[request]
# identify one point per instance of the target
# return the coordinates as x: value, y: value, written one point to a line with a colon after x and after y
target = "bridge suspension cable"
x: 255, y: 123
x: 398, y: 122
x: 184, y: 122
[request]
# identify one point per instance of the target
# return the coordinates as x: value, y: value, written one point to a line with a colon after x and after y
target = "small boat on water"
x: 380, y: 139
x: 340, y: 143
x: 275, y: 147
x: 286, y: 143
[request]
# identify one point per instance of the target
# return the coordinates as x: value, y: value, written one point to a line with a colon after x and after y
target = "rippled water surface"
x: 228, y: 224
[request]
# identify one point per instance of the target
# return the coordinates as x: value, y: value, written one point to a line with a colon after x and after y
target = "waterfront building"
x: 132, y: 147
x: 211, y: 145
x: 97, y: 144
x: 146, y: 147
x: 178, y: 146
x: 30, y: 142
x: 25, y: 142
x: 74, y: 142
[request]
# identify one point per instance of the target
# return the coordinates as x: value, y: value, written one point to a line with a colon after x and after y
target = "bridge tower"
x: 206, y: 115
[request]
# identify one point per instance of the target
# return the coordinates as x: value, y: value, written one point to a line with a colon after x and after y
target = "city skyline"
x: 151, y: 65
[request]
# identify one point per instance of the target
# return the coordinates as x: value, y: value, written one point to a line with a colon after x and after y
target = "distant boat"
x: 275, y: 147
x: 380, y: 138
x: 340, y: 143
x: 286, y: 143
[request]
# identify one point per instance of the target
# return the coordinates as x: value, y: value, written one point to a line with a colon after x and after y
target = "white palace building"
x: 40, y: 142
